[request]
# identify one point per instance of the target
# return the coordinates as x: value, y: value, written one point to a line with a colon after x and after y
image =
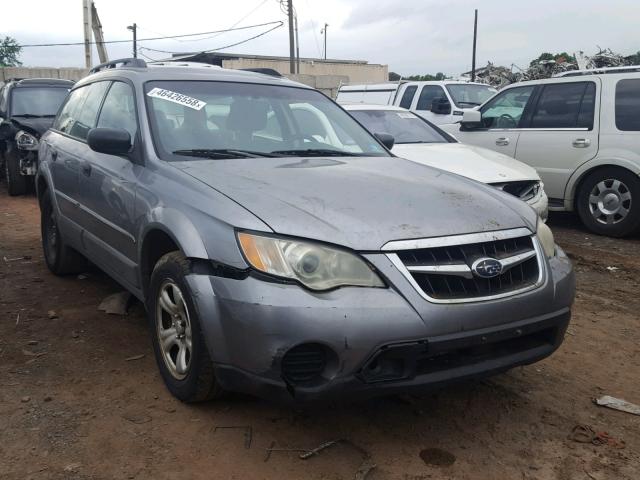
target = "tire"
x: 193, y: 378
x: 60, y: 259
x: 16, y: 182
x: 608, y: 202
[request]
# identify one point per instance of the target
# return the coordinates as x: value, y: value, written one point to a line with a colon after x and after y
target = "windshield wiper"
x: 220, y: 153
x: 31, y: 115
x: 317, y: 152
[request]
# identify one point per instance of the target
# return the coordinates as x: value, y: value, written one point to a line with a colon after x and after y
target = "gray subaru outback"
x: 280, y: 249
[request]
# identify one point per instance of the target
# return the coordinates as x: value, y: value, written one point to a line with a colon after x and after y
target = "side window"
x: 428, y: 94
x: 3, y: 100
x: 565, y: 105
x: 407, y: 96
x: 119, y: 109
x: 78, y: 115
x: 505, y: 110
x: 628, y: 105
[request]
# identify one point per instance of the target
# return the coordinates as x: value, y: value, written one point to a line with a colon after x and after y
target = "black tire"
x: 197, y: 383
x: 16, y: 182
x: 601, y: 183
x: 60, y: 258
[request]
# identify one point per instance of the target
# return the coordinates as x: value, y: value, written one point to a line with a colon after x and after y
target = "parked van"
x: 440, y: 102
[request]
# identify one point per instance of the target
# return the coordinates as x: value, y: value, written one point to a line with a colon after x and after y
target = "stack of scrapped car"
x: 27, y: 110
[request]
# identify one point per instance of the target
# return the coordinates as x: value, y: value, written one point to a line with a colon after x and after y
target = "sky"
x: 411, y: 36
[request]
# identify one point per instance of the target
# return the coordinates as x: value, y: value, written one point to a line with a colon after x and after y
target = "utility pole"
x: 134, y: 29
x: 475, y: 37
x: 297, y: 47
x: 324, y: 31
x: 97, y: 34
x: 87, y: 23
x: 292, y: 60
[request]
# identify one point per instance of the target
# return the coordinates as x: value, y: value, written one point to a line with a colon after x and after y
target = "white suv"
x: 581, y: 131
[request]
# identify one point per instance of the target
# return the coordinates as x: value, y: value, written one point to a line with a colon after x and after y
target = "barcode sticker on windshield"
x: 405, y: 115
x: 178, y: 98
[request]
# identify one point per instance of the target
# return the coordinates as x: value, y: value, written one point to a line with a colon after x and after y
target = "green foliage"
x: 558, y: 57
x: 634, y: 59
x: 394, y: 77
x: 9, y: 52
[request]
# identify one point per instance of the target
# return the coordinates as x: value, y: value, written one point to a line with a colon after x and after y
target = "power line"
x: 219, y: 48
x: 280, y: 23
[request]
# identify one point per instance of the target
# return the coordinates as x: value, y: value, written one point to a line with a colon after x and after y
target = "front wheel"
x: 178, y: 342
x: 16, y: 182
x: 608, y: 202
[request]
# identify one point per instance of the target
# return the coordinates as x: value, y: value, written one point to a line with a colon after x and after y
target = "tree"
x: 428, y: 77
x: 634, y: 59
x: 557, y: 57
x: 9, y: 52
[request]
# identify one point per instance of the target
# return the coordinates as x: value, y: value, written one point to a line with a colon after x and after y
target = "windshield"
x: 37, y: 101
x: 227, y: 120
x: 405, y: 126
x: 470, y: 95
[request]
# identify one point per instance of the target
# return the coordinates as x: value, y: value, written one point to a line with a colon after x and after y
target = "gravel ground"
x: 73, y: 407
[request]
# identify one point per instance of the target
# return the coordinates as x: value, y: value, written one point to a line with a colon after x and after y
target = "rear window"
x: 40, y: 101
x: 628, y: 105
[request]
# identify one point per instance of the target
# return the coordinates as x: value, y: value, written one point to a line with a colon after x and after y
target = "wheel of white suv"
x: 178, y: 342
x: 608, y: 202
x: 60, y: 258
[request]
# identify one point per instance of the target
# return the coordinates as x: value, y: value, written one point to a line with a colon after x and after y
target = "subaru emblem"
x: 486, y: 267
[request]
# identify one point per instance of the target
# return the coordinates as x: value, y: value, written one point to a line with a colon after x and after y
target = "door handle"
x: 54, y: 155
x: 581, y: 142
x: 502, y: 141
x: 86, y: 169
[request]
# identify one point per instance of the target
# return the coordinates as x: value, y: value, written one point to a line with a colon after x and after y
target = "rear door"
x: 107, y: 191
x: 560, y: 132
x: 65, y: 148
x: 501, y: 119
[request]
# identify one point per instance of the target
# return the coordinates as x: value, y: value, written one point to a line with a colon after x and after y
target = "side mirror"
x: 441, y: 106
x: 386, y: 139
x: 471, y: 119
x: 112, y: 141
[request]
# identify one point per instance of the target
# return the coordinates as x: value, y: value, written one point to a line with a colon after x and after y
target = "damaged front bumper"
x: 285, y: 343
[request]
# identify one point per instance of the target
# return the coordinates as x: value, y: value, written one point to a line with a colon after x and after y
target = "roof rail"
x: 124, y: 62
x: 172, y: 63
x: 264, y: 71
x: 599, y: 71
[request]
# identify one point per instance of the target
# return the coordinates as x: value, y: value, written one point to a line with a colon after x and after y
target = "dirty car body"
x: 314, y: 268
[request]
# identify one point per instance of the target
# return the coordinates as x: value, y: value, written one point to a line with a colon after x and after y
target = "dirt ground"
x: 81, y: 397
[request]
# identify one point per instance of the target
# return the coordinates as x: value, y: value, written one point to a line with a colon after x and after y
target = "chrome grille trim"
x: 457, y: 269
x: 465, y: 239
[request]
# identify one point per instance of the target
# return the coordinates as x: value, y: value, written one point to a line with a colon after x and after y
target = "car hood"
x: 478, y: 163
x: 360, y: 202
x: 33, y: 125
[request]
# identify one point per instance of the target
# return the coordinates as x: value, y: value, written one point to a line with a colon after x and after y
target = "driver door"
x: 501, y: 117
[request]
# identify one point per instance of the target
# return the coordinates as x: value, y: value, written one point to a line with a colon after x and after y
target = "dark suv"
x: 278, y: 246
x: 27, y: 110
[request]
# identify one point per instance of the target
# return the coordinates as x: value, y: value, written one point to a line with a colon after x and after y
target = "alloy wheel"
x: 610, y: 201
x: 173, y: 328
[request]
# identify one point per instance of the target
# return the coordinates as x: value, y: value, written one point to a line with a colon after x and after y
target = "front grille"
x: 304, y: 363
x: 525, y: 190
x: 449, y: 272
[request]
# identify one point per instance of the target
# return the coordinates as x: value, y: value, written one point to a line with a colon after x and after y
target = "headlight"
x: 315, y: 266
x: 26, y: 141
x: 545, y: 237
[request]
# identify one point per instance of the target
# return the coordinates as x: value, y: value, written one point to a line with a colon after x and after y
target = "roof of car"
x: 190, y: 71
x: 371, y: 106
x: 51, y: 82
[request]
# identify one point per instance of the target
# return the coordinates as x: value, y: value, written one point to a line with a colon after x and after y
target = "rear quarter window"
x: 628, y: 105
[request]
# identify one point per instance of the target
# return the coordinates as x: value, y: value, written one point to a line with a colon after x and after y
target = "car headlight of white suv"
x: 315, y: 266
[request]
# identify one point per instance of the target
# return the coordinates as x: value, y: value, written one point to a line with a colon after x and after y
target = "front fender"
x: 177, y: 226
